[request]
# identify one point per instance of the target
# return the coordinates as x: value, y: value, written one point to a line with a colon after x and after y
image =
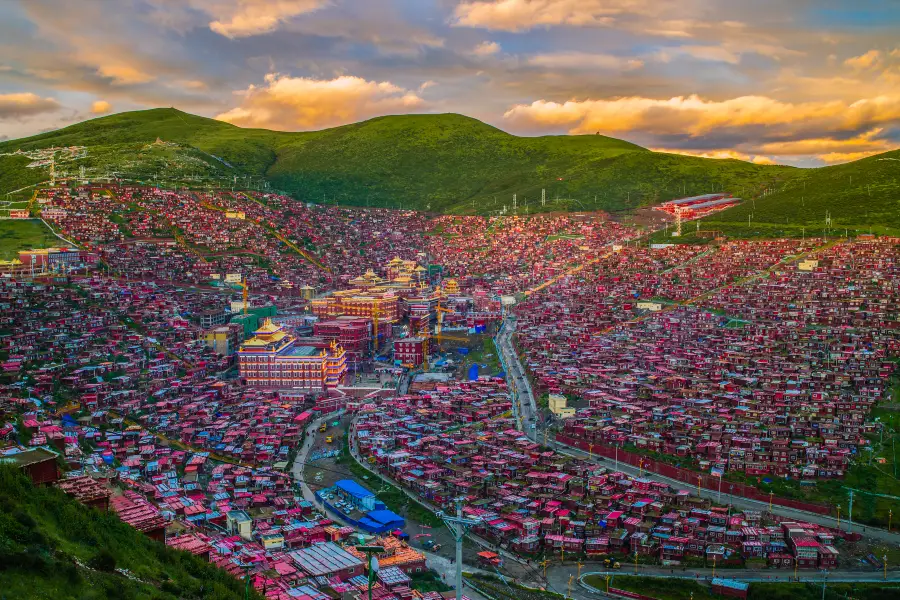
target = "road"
x: 522, y: 395
x: 300, y: 461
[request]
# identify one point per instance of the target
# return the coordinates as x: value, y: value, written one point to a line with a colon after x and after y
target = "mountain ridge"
x: 438, y: 162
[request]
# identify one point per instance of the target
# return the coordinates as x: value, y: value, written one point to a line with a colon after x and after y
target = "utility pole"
x: 370, y: 552
x: 544, y: 564
x: 850, y: 514
x: 515, y: 207
x: 543, y: 198
x: 458, y: 527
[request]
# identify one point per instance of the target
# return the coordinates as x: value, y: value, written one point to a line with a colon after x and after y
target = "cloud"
x: 842, y: 157
x: 486, y: 49
x: 522, y: 15
x: 705, y: 53
x: 869, y: 60
x: 751, y: 125
x: 298, y: 103
x: 124, y: 74
x: 243, y: 18
x: 16, y: 106
x: 695, y: 116
x: 833, y: 149
x: 584, y: 60
x: 721, y: 154
x: 101, y: 107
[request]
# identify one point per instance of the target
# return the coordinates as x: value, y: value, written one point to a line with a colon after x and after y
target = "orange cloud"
x: 584, y: 60
x: 521, y: 15
x: 242, y: 18
x: 298, y: 103
x: 15, y: 106
x: 696, y: 116
x: 101, y: 107
x: 124, y: 74
x: 720, y: 154
x: 829, y: 130
x: 842, y: 157
x: 486, y: 49
x: 830, y: 149
x: 869, y: 60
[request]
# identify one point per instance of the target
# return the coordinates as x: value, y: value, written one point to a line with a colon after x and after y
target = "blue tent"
x: 473, y: 373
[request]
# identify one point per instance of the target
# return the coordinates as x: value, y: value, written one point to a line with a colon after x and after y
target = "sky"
x: 801, y: 82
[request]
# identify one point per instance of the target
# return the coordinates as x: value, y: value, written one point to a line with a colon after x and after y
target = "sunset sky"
x: 804, y: 82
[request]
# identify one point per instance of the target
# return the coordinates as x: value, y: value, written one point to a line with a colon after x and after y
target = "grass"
x: 833, y: 591
x: 14, y: 175
x: 53, y: 547
x: 428, y: 581
x: 481, y: 352
x: 415, y: 161
x: 510, y: 590
x: 654, y: 587
x: 409, y: 160
x: 24, y: 234
x: 860, y: 197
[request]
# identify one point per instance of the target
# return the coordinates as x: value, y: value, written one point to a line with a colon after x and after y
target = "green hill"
x: 447, y: 163
x: 52, y: 547
x: 860, y: 196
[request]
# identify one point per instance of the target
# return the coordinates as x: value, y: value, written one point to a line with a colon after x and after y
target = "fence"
x: 705, y: 481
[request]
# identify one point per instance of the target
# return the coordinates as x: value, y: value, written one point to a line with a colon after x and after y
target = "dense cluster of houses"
x: 453, y: 442
x: 772, y: 375
x: 505, y: 255
x: 761, y: 357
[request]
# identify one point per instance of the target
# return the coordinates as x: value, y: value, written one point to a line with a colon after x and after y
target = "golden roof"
x: 268, y: 327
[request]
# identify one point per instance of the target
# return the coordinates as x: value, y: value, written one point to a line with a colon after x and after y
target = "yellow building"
x: 359, y: 303
x: 451, y: 286
x: 557, y: 405
x: 272, y: 358
x: 224, y: 339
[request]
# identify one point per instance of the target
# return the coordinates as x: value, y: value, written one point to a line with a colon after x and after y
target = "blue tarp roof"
x: 384, y: 516
x: 380, y: 521
x: 354, y: 489
x: 731, y: 583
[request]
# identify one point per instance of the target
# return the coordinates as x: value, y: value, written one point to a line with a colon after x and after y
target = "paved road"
x: 520, y: 386
x: 300, y: 461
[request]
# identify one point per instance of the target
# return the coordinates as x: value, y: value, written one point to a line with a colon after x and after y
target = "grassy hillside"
x: 448, y: 163
x: 860, y: 196
x: 24, y: 234
x: 52, y: 547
